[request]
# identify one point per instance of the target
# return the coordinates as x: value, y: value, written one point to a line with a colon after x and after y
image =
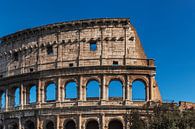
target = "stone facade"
x: 79, y: 51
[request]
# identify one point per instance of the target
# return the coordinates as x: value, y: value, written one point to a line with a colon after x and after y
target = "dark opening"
x: 1, y: 76
x: 115, y: 63
x: 50, y: 125
x: 15, y: 56
x: 49, y: 50
x: 29, y: 125
x: 71, y: 65
x: 93, y: 46
x: 70, y: 125
x: 13, y: 126
x: 92, y: 125
x: 31, y: 69
x: 115, y: 124
x: 131, y: 39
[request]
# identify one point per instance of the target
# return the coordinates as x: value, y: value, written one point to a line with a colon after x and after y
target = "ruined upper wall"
x: 95, y: 42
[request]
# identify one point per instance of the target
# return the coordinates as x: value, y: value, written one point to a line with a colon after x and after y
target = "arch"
x: 115, y: 124
x: 49, y: 125
x: 115, y: 89
x: 70, y: 125
x: 29, y: 125
x: 33, y: 94
x: 50, y: 92
x: 17, y: 97
x: 3, y: 100
x: 13, y: 125
x: 92, y: 89
x: 71, y: 90
x: 138, y: 90
x: 92, y: 124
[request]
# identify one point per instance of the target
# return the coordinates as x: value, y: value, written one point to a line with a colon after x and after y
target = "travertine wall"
x: 26, y: 62
x: 116, y: 41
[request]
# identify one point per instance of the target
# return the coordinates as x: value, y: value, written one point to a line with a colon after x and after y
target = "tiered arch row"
x: 82, y: 90
x: 71, y: 119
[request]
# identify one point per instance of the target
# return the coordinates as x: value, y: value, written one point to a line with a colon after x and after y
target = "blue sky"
x: 166, y: 29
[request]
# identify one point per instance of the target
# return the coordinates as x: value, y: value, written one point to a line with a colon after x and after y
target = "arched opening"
x: 115, y: 89
x: 1, y: 126
x: 138, y: 91
x: 50, y: 92
x: 49, y: 125
x: 93, y: 124
x: 93, y: 89
x: 33, y: 94
x: 71, y: 90
x: 3, y: 100
x: 29, y: 125
x: 17, y: 97
x: 13, y: 126
x: 70, y: 125
x: 115, y: 124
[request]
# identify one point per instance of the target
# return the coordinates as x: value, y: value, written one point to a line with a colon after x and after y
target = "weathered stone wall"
x: 60, y: 53
x: 115, y: 42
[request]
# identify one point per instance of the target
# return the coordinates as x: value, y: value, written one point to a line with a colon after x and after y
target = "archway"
x: 115, y: 124
x: 115, y: 89
x: 49, y: 125
x: 50, y: 92
x: 93, y: 124
x: 93, y: 89
x: 138, y: 91
x: 13, y: 125
x: 33, y: 94
x: 71, y: 90
x: 70, y: 125
x: 17, y: 97
x: 29, y: 125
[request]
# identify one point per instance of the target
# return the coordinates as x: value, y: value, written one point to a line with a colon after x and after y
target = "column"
x: 151, y: 87
x: 38, y: 123
x: 103, y: 88
x: 124, y: 91
x: 84, y: 92
x: 127, y: 92
x: 103, y: 121
x: 39, y: 94
x: 21, y: 96
x: 25, y: 96
x: 42, y: 90
x: 130, y: 91
x: 19, y: 123
x: 57, y: 122
x: 80, y: 91
x: 147, y: 92
x: 59, y: 90
x: 79, y: 122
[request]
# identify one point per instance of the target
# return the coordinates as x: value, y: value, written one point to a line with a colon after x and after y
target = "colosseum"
x: 74, y: 75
